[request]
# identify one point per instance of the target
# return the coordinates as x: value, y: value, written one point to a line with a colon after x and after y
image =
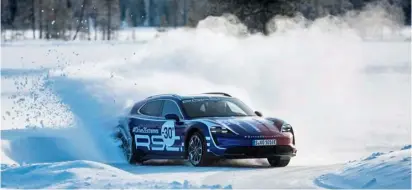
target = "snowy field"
x: 347, y: 98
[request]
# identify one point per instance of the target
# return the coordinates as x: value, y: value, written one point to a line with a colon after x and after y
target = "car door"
x: 146, y: 127
x: 172, y: 131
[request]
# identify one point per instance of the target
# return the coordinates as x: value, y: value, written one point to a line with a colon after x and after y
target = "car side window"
x: 170, y: 107
x: 153, y: 108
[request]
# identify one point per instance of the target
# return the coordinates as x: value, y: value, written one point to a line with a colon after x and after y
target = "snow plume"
x: 377, y: 21
x: 344, y: 96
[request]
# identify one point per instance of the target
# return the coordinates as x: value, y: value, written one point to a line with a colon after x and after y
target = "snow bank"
x: 379, y: 170
x: 85, y: 174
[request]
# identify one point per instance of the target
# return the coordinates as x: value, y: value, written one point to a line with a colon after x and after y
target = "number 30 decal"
x: 169, y: 133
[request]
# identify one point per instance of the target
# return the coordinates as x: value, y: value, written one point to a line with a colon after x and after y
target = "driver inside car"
x: 218, y: 107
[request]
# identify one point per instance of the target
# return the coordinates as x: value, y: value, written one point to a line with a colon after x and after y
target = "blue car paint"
x: 159, y: 138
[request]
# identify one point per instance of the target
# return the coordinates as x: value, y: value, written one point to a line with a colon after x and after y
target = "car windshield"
x: 215, y: 107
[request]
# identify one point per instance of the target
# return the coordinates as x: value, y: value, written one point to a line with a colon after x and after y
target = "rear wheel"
x: 278, y: 161
x: 129, y: 149
x: 197, y: 150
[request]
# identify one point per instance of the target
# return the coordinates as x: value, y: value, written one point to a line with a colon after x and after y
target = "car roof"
x: 181, y: 97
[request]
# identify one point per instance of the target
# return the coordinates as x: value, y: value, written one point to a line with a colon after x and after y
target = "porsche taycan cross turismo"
x: 202, y: 128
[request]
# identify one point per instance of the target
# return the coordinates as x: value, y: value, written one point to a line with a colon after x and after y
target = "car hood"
x: 246, y: 126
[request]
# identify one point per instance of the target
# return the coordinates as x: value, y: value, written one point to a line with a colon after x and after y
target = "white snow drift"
x: 379, y: 170
x: 85, y: 174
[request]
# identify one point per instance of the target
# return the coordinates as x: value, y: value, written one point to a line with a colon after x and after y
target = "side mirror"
x: 258, y: 113
x: 172, y: 117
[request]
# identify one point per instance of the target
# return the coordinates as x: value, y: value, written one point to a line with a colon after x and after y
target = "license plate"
x: 264, y: 142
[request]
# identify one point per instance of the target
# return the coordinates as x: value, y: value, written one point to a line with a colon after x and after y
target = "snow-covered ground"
x: 379, y: 170
x: 127, y: 35
x: 347, y: 99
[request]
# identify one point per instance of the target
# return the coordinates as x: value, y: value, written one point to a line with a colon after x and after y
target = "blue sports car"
x: 202, y: 128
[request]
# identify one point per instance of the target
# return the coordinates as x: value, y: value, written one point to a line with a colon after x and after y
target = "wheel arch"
x: 197, y: 127
x: 124, y: 127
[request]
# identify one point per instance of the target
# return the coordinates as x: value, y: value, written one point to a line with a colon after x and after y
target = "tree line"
x: 69, y: 19
x: 59, y: 19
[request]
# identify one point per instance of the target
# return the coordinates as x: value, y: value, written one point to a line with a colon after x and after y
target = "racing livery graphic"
x: 202, y: 128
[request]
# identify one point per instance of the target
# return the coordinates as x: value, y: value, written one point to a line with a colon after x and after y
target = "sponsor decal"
x: 253, y: 126
x: 227, y: 123
x: 259, y: 136
x: 153, y: 139
x: 145, y: 130
x: 201, y: 99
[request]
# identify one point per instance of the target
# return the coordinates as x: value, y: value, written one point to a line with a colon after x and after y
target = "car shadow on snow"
x: 176, y: 166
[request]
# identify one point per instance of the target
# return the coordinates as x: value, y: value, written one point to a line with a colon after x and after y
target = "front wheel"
x: 278, y: 161
x: 197, y: 150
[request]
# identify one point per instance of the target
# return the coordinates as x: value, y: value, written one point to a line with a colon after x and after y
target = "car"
x: 203, y: 128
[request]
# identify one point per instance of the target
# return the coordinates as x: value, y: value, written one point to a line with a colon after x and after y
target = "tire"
x: 129, y: 150
x: 278, y: 162
x: 196, y: 152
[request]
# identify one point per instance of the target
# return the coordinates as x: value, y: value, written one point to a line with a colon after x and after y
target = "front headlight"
x: 219, y: 129
x: 286, y: 128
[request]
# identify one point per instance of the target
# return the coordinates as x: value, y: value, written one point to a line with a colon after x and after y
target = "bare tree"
x: 33, y: 18
x: 41, y: 19
x: 109, y: 16
x: 81, y: 18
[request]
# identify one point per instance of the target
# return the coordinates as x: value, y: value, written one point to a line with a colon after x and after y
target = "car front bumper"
x: 259, y: 151
x: 233, y: 148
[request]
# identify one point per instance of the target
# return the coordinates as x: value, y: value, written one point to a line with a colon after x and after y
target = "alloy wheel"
x: 195, y: 150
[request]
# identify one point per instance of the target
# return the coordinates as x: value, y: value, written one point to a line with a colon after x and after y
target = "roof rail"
x: 218, y: 93
x: 157, y: 95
